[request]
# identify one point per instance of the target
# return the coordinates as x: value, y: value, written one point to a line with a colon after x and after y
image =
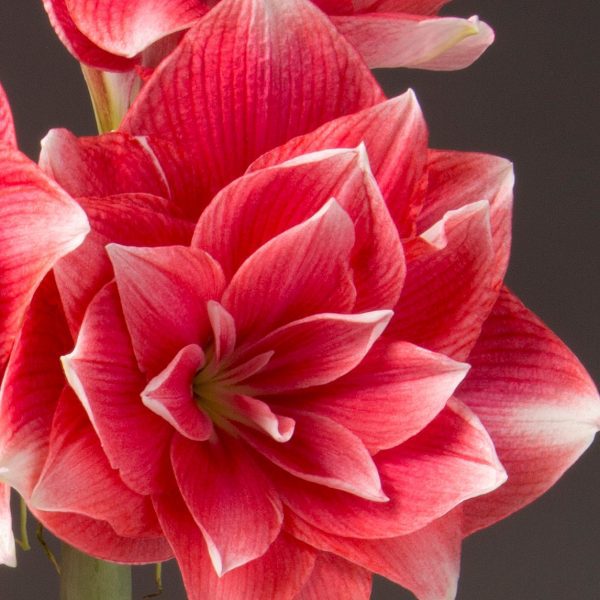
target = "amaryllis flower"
x: 289, y: 355
x: 39, y: 223
x: 124, y: 39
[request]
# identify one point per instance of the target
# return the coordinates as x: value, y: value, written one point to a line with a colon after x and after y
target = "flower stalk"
x: 83, y: 576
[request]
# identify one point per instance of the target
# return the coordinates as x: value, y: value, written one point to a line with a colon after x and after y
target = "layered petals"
x: 226, y: 92
x: 537, y: 402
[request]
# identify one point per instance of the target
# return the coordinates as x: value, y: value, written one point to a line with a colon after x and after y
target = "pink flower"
x: 39, y: 223
x: 290, y: 356
x: 128, y: 38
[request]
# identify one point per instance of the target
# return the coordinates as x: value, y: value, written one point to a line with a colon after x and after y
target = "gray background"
x: 533, y: 97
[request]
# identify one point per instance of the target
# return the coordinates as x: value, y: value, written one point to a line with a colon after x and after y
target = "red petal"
x: 451, y: 285
x: 7, y: 126
x: 390, y: 396
x: 333, y: 578
x: 247, y: 78
x: 99, y: 539
x: 417, y: 7
x: 77, y: 477
x: 32, y: 384
x: 81, y: 274
x: 315, y: 350
x: 323, y: 452
x: 78, y: 44
x: 31, y: 208
x: 451, y: 460
x: 223, y: 327
x: 300, y: 272
x: 386, y: 39
x: 280, y: 573
x: 127, y: 28
x: 231, y: 500
x: 395, y: 136
x: 8, y: 551
x: 456, y: 179
x: 103, y: 372
x: 164, y: 292
x: 536, y: 400
x: 426, y: 562
x: 171, y: 397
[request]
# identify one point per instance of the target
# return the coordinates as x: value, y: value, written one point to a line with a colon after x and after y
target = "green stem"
x: 83, y: 577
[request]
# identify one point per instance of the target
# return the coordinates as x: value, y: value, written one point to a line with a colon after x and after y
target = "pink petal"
x: 164, y: 292
x: 315, y: 350
x: 77, y: 43
x: 99, y: 539
x: 456, y: 179
x: 31, y: 387
x: 451, y: 284
x: 77, y: 477
x: 536, y: 400
x: 232, y: 501
x: 103, y: 372
x: 395, y: 136
x: 280, y: 573
x: 31, y: 208
x: 323, y: 452
x: 127, y: 28
x: 258, y: 415
x: 223, y: 327
x: 333, y: 578
x: 171, y: 397
x: 256, y: 207
x: 390, y: 396
x: 300, y: 272
x: 451, y: 460
x: 81, y: 274
x: 8, y: 551
x: 417, y: 7
x: 401, y: 40
x: 247, y: 78
x: 426, y: 562
x: 7, y: 126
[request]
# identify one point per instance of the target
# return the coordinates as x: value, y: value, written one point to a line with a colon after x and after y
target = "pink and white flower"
x: 287, y: 344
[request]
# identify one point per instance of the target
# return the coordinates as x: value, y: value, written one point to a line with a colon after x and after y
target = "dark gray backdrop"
x: 533, y: 98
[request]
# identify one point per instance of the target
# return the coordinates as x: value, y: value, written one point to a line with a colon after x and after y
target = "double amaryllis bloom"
x: 283, y: 353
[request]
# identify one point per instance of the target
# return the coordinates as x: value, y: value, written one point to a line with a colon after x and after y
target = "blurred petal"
x: 7, y: 126
x: 8, y: 551
x: 536, y: 400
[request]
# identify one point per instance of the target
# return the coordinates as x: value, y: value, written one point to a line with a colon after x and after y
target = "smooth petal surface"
x: 31, y: 208
x: 303, y: 271
x: 104, y: 373
x: 171, y: 397
x: 7, y: 126
x: 31, y: 388
x: 333, y: 577
x: 417, y: 7
x: 426, y: 561
x: 323, y: 452
x: 536, y: 400
x: 455, y: 179
x: 451, y: 460
x: 129, y: 219
x: 77, y: 477
x: 247, y: 78
x: 232, y: 501
x: 315, y: 350
x: 127, y: 28
x: 98, y: 538
x: 8, y: 551
x: 164, y: 292
x: 395, y: 391
x: 451, y: 285
x: 395, y: 136
x: 260, y: 579
x: 401, y: 40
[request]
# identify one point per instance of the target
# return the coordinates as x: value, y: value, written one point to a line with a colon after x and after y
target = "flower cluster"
x: 262, y: 327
